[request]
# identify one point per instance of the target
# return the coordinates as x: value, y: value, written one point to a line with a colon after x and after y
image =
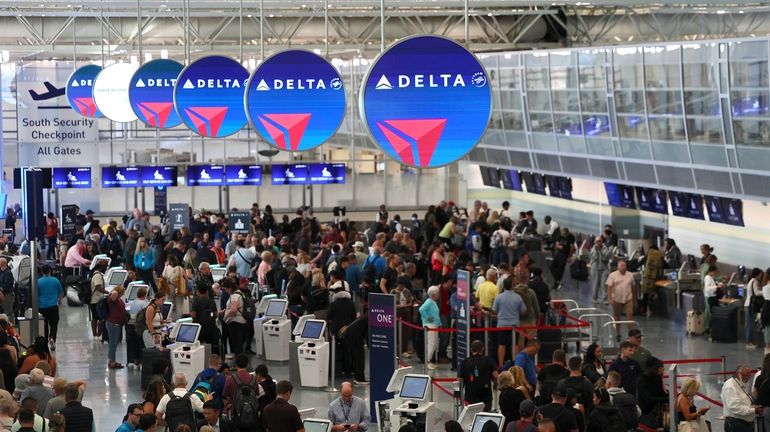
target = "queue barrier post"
x: 487, y: 324
x: 399, y: 338
x: 723, y: 378
x: 672, y: 396
x: 425, y: 352
x: 330, y: 386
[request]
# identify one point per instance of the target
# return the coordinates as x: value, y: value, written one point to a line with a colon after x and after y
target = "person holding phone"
x: 348, y: 412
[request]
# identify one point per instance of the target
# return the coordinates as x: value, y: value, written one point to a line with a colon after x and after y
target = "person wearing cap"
x: 651, y: 392
x: 358, y: 251
x: 527, y: 411
x: 642, y: 354
x: 564, y: 419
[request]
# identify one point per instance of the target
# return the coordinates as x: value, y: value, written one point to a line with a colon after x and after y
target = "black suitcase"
x: 693, y: 301
x: 149, y: 355
x: 550, y: 341
x: 724, y: 323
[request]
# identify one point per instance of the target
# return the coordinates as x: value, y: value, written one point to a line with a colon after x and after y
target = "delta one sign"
x: 426, y: 101
x: 111, y: 92
x: 209, y: 95
x: 151, y: 93
x: 80, y: 91
x: 295, y: 100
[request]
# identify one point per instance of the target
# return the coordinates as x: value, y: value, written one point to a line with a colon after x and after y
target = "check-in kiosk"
x: 383, y: 408
x: 306, y: 413
x: 100, y: 259
x: 295, y: 343
x: 132, y: 290
x: 314, y: 355
x: 414, y: 396
x: 317, y: 425
x: 115, y: 276
x: 189, y: 356
x: 258, y: 321
x: 166, y: 310
x: 468, y: 414
x: 276, y: 331
x: 480, y: 419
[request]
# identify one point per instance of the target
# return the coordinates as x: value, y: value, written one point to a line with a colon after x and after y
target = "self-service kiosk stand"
x: 384, y: 407
x: 276, y: 331
x: 187, y: 353
x: 414, y: 404
x: 295, y: 343
x: 314, y: 355
x: 258, y: 321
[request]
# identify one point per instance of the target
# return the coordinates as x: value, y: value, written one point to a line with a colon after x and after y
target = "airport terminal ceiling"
x: 43, y: 29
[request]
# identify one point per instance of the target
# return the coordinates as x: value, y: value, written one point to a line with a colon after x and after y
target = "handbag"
x: 693, y: 426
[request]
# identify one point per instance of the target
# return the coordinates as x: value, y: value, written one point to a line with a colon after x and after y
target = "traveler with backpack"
x: 134, y: 343
x: 179, y: 406
x: 605, y: 417
x: 557, y: 411
x: 281, y: 416
x: 234, y: 316
x: 175, y: 278
x: 149, y: 321
x: 623, y: 401
x: 204, y: 312
x: 97, y: 294
x: 477, y: 373
x: 578, y: 383
x: 241, y: 394
x: 348, y: 412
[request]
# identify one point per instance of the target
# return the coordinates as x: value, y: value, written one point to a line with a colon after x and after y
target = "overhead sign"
x: 205, y: 175
x: 243, y: 175
x: 289, y: 174
x: 653, y: 200
x: 68, y: 216
x: 295, y: 100
x: 111, y: 92
x: 158, y: 175
x: 116, y: 177
x: 80, y: 93
x: 733, y: 211
x: 239, y: 222
x: 209, y: 95
x: 321, y: 173
x: 620, y: 195
x: 178, y: 216
x: 426, y: 101
x: 71, y: 178
x: 151, y: 93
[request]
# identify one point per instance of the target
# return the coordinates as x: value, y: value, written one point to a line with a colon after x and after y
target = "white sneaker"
x: 52, y: 345
x: 432, y: 366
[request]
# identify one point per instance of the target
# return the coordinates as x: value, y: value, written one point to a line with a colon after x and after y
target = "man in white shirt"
x: 180, y: 389
x: 739, y: 409
x: 621, y: 292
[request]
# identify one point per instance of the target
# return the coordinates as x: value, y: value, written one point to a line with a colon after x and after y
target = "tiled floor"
x: 109, y: 392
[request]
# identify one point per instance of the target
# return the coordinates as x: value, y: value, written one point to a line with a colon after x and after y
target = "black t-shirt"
x: 509, y: 402
x: 205, y: 314
x: 390, y: 275
x: 563, y: 418
x: 583, y: 389
x: 548, y: 377
x: 281, y: 416
x: 476, y: 372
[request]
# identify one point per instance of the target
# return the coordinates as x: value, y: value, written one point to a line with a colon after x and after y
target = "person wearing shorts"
x: 508, y: 306
x: 621, y: 292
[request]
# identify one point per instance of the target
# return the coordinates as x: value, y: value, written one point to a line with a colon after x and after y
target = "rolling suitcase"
x: 724, y: 323
x: 693, y: 301
x: 695, y: 323
x: 149, y: 355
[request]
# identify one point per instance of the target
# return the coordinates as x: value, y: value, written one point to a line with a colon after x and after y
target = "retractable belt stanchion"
x: 425, y: 349
x: 672, y: 396
x: 722, y: 379
x: 330, y: 387
x: 487, y: 324
x: 399, y: 340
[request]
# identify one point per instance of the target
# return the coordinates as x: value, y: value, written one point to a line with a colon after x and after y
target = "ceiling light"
x: 164, y: 53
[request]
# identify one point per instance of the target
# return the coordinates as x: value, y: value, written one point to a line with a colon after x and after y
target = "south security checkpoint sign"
x: 295, y: 100
x: 426, y: 101
x: 151, y: 92
x: 79, y: 91
x: 209, y: 96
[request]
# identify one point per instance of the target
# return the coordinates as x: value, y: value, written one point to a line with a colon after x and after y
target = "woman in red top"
x: 437, y: 264
x: 116, y: 318
x: 51, y: 233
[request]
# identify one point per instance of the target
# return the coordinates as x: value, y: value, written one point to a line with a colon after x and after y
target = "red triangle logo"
x: 86, y: 106
x: 202, y: 117
x: 281, y: 125
x: 156, y: 113
x: 424, y: 132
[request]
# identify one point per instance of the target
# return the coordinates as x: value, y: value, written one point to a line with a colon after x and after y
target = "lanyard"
x: 346, y: 413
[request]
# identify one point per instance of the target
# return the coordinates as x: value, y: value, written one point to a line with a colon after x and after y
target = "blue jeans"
x: 113, y: 332
x: 738, y: 426
x: 749, y: 325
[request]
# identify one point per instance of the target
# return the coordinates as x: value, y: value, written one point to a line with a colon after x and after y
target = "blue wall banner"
x: 79, y: 91
x: 151, y: 93
x: 382, y: 347
x: 209, y: 96
x: 463, y: 322
x: 295, y: 100
x: 426, y: 101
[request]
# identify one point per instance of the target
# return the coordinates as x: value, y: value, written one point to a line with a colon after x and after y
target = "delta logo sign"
x: 80, y: 91
x: 426, y: 101
x: 295, y: 100
x: 151, y: 93
x: 209, y: 95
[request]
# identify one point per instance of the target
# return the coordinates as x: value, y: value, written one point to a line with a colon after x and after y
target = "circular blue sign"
x: 209, y: 96
x: 151, y: 93
x: 426, y: 101
x: 80, y: 87
x: 295, y: 100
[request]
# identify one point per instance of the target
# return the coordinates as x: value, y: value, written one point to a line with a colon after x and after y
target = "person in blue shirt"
x: 144, y: 262
x: 50, y: 293
x: 526, y: 360
x: 352, y: 276
x: 131, y: 420
x: 509, y: 306
x: 431, y: 319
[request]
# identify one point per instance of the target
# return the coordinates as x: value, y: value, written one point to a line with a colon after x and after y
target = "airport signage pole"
x: 34, y: 222
x: 382, y: 347
x: 462, y: 320
x: 179, y: 215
